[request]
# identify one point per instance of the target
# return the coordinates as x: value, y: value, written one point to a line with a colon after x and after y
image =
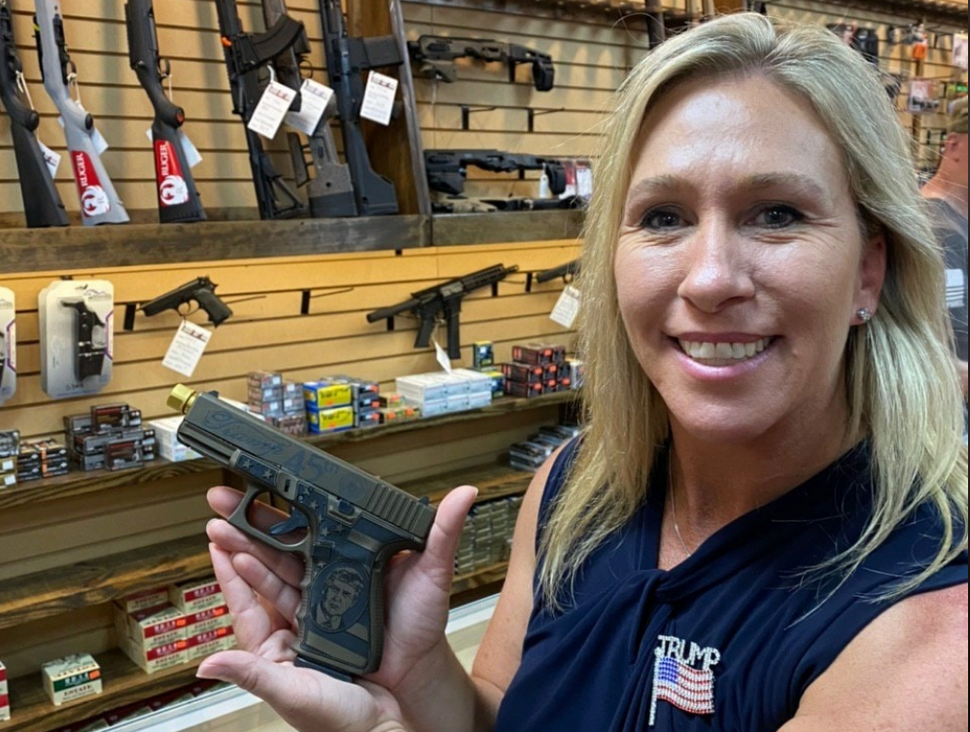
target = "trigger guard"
x: 295, y: 522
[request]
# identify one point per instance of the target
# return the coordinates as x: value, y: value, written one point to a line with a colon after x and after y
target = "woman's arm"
x: 907, y: 670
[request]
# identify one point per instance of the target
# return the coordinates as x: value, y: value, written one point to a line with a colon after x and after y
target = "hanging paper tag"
x: 567, y: 307
x: 100, y: 144
x: 314, y: 98
x: 186, y: 348
x: 442, y: 355
x: 955, y: 287
x: 271, y: 110
x: 960, y: 50
x: 378, y: 98
x: 192, y: 155
x: 51, y: 158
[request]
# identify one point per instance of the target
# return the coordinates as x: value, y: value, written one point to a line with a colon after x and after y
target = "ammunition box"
x: 71, y: 678
x: 329, y: 420
x: 196, y: 595
x: 521, y: 372
x: 321, y: 395
x: 522, y: 389
x: 141, y: 601
x: 264, y: 379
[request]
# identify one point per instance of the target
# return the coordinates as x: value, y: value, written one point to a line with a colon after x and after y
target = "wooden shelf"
x: 79, y: 247
x: 79, y: 482
x: 55, y: 592
x: 505, y: 227
x: 123, y: 683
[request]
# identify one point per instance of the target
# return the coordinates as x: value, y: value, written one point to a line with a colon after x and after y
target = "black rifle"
x: 178, y: 198
x: 42, y: 203
x: 89, y: 349
x: 569, y: 269
x: 330, y: 192
x: 460, y: 204
x: 246, y: 54
x: 201, y: 290
x: 347, y: 59
x: 436, y: 56
x: 443, y: 300
x: 447, y: 168
x: 353, y: 524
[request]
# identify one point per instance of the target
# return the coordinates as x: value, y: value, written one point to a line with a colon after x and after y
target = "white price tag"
x: 378, y: 98
x: 955, y: 285
x: 186, y: 348
x: 271, y: 110
x: 192, y: 155
x: 567, y: 307
x: 52, y: 159
x: 100, y: 144
x: 584, y: 181
x: 314, y: 98
x: 442, y: 355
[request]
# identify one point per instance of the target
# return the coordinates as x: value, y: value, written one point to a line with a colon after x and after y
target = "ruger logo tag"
x: 94, y: 201
x: 172, y: 189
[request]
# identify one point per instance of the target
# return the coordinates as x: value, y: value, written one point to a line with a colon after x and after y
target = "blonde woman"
x: 763, y: 526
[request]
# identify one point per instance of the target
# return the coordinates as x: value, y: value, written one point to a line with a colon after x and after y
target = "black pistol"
x: 354, y: 523
x: 201, y: 290
x: 90, y: 343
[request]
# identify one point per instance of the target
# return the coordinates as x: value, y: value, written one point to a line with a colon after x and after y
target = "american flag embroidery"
x: 678, y: 682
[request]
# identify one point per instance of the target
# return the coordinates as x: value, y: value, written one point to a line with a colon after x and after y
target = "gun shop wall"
x: 591, y: 54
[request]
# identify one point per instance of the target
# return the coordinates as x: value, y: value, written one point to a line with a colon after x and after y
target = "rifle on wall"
x: 246, y: 54
x: 99, y: 201
x: 447, y: 169
x: 436, y: 57
x: 330, y: 192
x: 42, y: 203
x: 178, y: 198
x: 443, y: 302
x: 347, y: 59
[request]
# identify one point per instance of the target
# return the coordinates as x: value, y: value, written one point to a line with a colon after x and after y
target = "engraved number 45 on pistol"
x: 353, y: 524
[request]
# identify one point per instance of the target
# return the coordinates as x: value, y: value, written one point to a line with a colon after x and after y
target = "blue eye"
x: 661, y: 219
x: 777, y: 217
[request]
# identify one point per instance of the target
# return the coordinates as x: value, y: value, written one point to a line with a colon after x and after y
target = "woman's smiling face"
x: 741, y: 262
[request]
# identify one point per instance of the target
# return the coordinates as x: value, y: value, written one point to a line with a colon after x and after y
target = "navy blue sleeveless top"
x: 727, y: 640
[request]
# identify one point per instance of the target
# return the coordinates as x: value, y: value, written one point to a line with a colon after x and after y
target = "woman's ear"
x: 872, y: 273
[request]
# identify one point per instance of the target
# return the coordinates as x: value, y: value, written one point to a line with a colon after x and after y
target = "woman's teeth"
x: 709, y: 351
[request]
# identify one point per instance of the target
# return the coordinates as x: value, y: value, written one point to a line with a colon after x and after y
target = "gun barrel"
x: 569, y: 268
x: 390, y: 312
x: 174, y: 298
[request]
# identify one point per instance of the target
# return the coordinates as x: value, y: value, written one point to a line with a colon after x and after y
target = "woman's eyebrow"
x: 792, y: 182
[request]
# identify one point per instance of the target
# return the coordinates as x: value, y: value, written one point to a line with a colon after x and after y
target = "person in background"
x: 946, y: 194
x: 764, y: 523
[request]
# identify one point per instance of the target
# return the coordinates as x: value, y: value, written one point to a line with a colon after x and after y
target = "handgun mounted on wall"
x: 201, y: 291
x: 350, y: 524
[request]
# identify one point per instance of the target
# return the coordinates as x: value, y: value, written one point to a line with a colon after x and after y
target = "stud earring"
x: 865, y: 315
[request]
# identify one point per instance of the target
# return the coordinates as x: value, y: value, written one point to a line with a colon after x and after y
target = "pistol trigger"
x: 295, y: 522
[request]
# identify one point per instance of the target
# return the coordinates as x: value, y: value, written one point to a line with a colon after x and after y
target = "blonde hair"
x: 900, y: 377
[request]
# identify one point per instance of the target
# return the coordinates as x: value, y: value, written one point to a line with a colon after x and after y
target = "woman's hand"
x: 261, y: 586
